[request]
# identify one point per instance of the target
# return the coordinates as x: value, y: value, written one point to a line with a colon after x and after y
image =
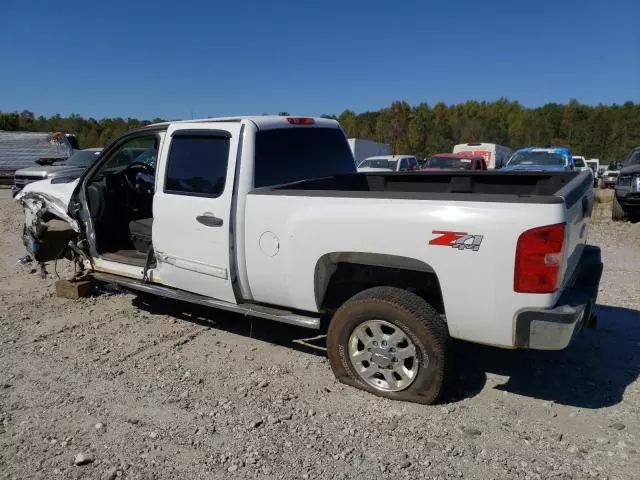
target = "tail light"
x: 539, y: 259
x: 300, y: 121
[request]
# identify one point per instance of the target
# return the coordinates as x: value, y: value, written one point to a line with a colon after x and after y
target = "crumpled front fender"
x: 37, y: 204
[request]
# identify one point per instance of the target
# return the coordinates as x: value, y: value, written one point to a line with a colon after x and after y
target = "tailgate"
x: 578, y: 197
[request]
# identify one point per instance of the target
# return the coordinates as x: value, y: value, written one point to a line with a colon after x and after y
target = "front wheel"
x: 391, y: 343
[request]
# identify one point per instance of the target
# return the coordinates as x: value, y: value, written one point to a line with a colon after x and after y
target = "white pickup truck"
x: 267, y: 216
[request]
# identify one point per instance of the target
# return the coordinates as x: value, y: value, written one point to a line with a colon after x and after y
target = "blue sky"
x: 145, y: 59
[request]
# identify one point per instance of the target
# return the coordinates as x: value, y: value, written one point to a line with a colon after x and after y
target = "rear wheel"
x: 391, y: 343
x: 633, y: 216
x: 617, y: 212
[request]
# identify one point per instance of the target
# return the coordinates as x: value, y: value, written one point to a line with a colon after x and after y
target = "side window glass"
x: 197, y: 165
x: 403, y: 164
x: 130, y: 151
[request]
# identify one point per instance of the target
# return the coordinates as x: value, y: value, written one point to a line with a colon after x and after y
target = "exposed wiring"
x: 55, y: 262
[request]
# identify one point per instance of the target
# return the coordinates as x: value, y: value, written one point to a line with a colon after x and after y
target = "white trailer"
x: 366, y: 148
x: 496, y: 156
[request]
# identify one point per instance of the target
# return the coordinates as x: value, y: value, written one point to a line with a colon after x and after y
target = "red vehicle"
x: 454, y: 161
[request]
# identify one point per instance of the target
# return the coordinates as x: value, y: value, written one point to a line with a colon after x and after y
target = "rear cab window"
x: 292, y: 154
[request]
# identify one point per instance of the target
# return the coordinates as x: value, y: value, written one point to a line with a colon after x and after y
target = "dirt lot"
x: 138, y: 389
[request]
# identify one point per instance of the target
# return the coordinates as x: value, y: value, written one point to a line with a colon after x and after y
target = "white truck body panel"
x: 401, y: 228
x: 193, y: 256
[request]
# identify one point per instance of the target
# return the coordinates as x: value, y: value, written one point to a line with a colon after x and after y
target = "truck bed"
x: 295, y: 233
x: 492, y: 186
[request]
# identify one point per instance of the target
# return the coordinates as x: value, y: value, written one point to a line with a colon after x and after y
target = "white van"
x: 495, y: 156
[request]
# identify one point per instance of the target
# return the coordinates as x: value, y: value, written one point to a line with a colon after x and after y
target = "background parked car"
x: 610, y: 175
x: 389, y: 163
x: 580, y: 164
x: 549, y: 159
x: 626, y: 201
x: 77, y: 163
x: 495, y: 155
x: 454, y: 161
x: 594, y: 164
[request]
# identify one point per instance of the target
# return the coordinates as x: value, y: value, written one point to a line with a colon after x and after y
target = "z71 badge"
x: 459, y: 240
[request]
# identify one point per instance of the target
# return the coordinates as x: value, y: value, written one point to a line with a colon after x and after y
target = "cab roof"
x: 263, y: 122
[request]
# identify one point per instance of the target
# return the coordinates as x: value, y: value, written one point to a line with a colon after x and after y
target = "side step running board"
x: 248, y: 309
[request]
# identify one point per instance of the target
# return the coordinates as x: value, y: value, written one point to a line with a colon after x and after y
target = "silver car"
x: 77, y: 163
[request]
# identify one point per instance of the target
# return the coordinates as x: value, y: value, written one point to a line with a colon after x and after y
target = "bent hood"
x: 630, y: 169
x: 52, y: 195
x: 49, y: 171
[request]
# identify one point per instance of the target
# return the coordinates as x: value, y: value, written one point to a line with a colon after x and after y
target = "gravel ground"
x: 122, y: 386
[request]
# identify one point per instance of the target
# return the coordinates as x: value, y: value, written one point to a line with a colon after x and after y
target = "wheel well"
x: 341, y: 276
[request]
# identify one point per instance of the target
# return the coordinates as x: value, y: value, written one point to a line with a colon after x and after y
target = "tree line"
x: 607, y: 132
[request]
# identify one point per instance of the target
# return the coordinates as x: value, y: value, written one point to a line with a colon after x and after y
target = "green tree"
x: 349, y: 123
x: 607, y: 132
x: 393, y: 124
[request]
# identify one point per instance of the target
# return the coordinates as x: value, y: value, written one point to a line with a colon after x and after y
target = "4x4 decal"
x: 459, y: 240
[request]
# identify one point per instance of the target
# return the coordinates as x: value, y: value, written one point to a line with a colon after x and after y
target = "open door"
x: 192, y: 208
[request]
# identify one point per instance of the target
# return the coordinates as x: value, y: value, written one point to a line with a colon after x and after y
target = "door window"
x: 143, y: 148
x: 403, y: 165
x: 197, y: 165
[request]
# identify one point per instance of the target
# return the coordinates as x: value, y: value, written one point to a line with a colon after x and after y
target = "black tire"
x: 416, y: 318
x: 633, y: 216
x: 617, y: 212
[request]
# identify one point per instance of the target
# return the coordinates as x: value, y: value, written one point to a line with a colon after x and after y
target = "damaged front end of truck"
x: 50, y: 233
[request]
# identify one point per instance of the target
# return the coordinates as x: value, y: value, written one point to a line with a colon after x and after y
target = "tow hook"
x: 592, y: 322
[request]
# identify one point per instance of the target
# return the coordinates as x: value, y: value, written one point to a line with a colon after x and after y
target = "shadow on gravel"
x: 260, y: 329
x: 592, y: 373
